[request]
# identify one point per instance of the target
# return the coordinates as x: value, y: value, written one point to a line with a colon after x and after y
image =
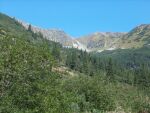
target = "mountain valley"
x: 49, y: 71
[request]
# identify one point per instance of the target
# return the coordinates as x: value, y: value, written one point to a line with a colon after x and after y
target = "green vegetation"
x: 116, y: 81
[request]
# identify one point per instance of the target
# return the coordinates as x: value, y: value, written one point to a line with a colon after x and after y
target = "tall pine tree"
x: 109, y: 70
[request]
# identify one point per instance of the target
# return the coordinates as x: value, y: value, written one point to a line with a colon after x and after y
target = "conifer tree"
x: 30, y: 28
x: 109, y: 70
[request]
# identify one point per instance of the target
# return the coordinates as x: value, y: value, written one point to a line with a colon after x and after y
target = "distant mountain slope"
x: 137, y: 37
x: 51, y: 34
x: 56, y: 35
x: 101, y: 40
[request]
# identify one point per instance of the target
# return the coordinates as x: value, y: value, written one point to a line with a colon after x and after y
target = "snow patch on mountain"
x: 99, y: 51
x: 112, y: 48
x: 78, y: 45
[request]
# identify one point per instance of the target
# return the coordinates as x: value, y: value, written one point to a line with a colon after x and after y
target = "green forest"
x: 41, y: 76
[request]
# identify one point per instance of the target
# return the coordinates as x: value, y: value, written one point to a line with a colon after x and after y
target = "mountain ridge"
x: 98, y: 41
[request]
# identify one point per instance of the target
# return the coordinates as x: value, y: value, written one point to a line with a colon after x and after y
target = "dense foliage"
x: 111, y: 81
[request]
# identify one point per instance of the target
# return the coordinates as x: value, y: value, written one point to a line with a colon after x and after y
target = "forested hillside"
x: 40, y: 76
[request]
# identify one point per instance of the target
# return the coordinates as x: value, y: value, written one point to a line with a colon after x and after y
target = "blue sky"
x: 80, y: 17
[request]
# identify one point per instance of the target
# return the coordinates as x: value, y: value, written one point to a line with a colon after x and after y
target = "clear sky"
x: 80, y: 17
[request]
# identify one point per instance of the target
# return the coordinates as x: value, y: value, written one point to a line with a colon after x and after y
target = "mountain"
x: 51, y: 34
x: 56, y: 35
x: 95, y: 42
x: 137, y: 37
x: 98, y: 41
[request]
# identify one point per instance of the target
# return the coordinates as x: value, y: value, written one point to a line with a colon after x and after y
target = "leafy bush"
x: 92, y: 93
